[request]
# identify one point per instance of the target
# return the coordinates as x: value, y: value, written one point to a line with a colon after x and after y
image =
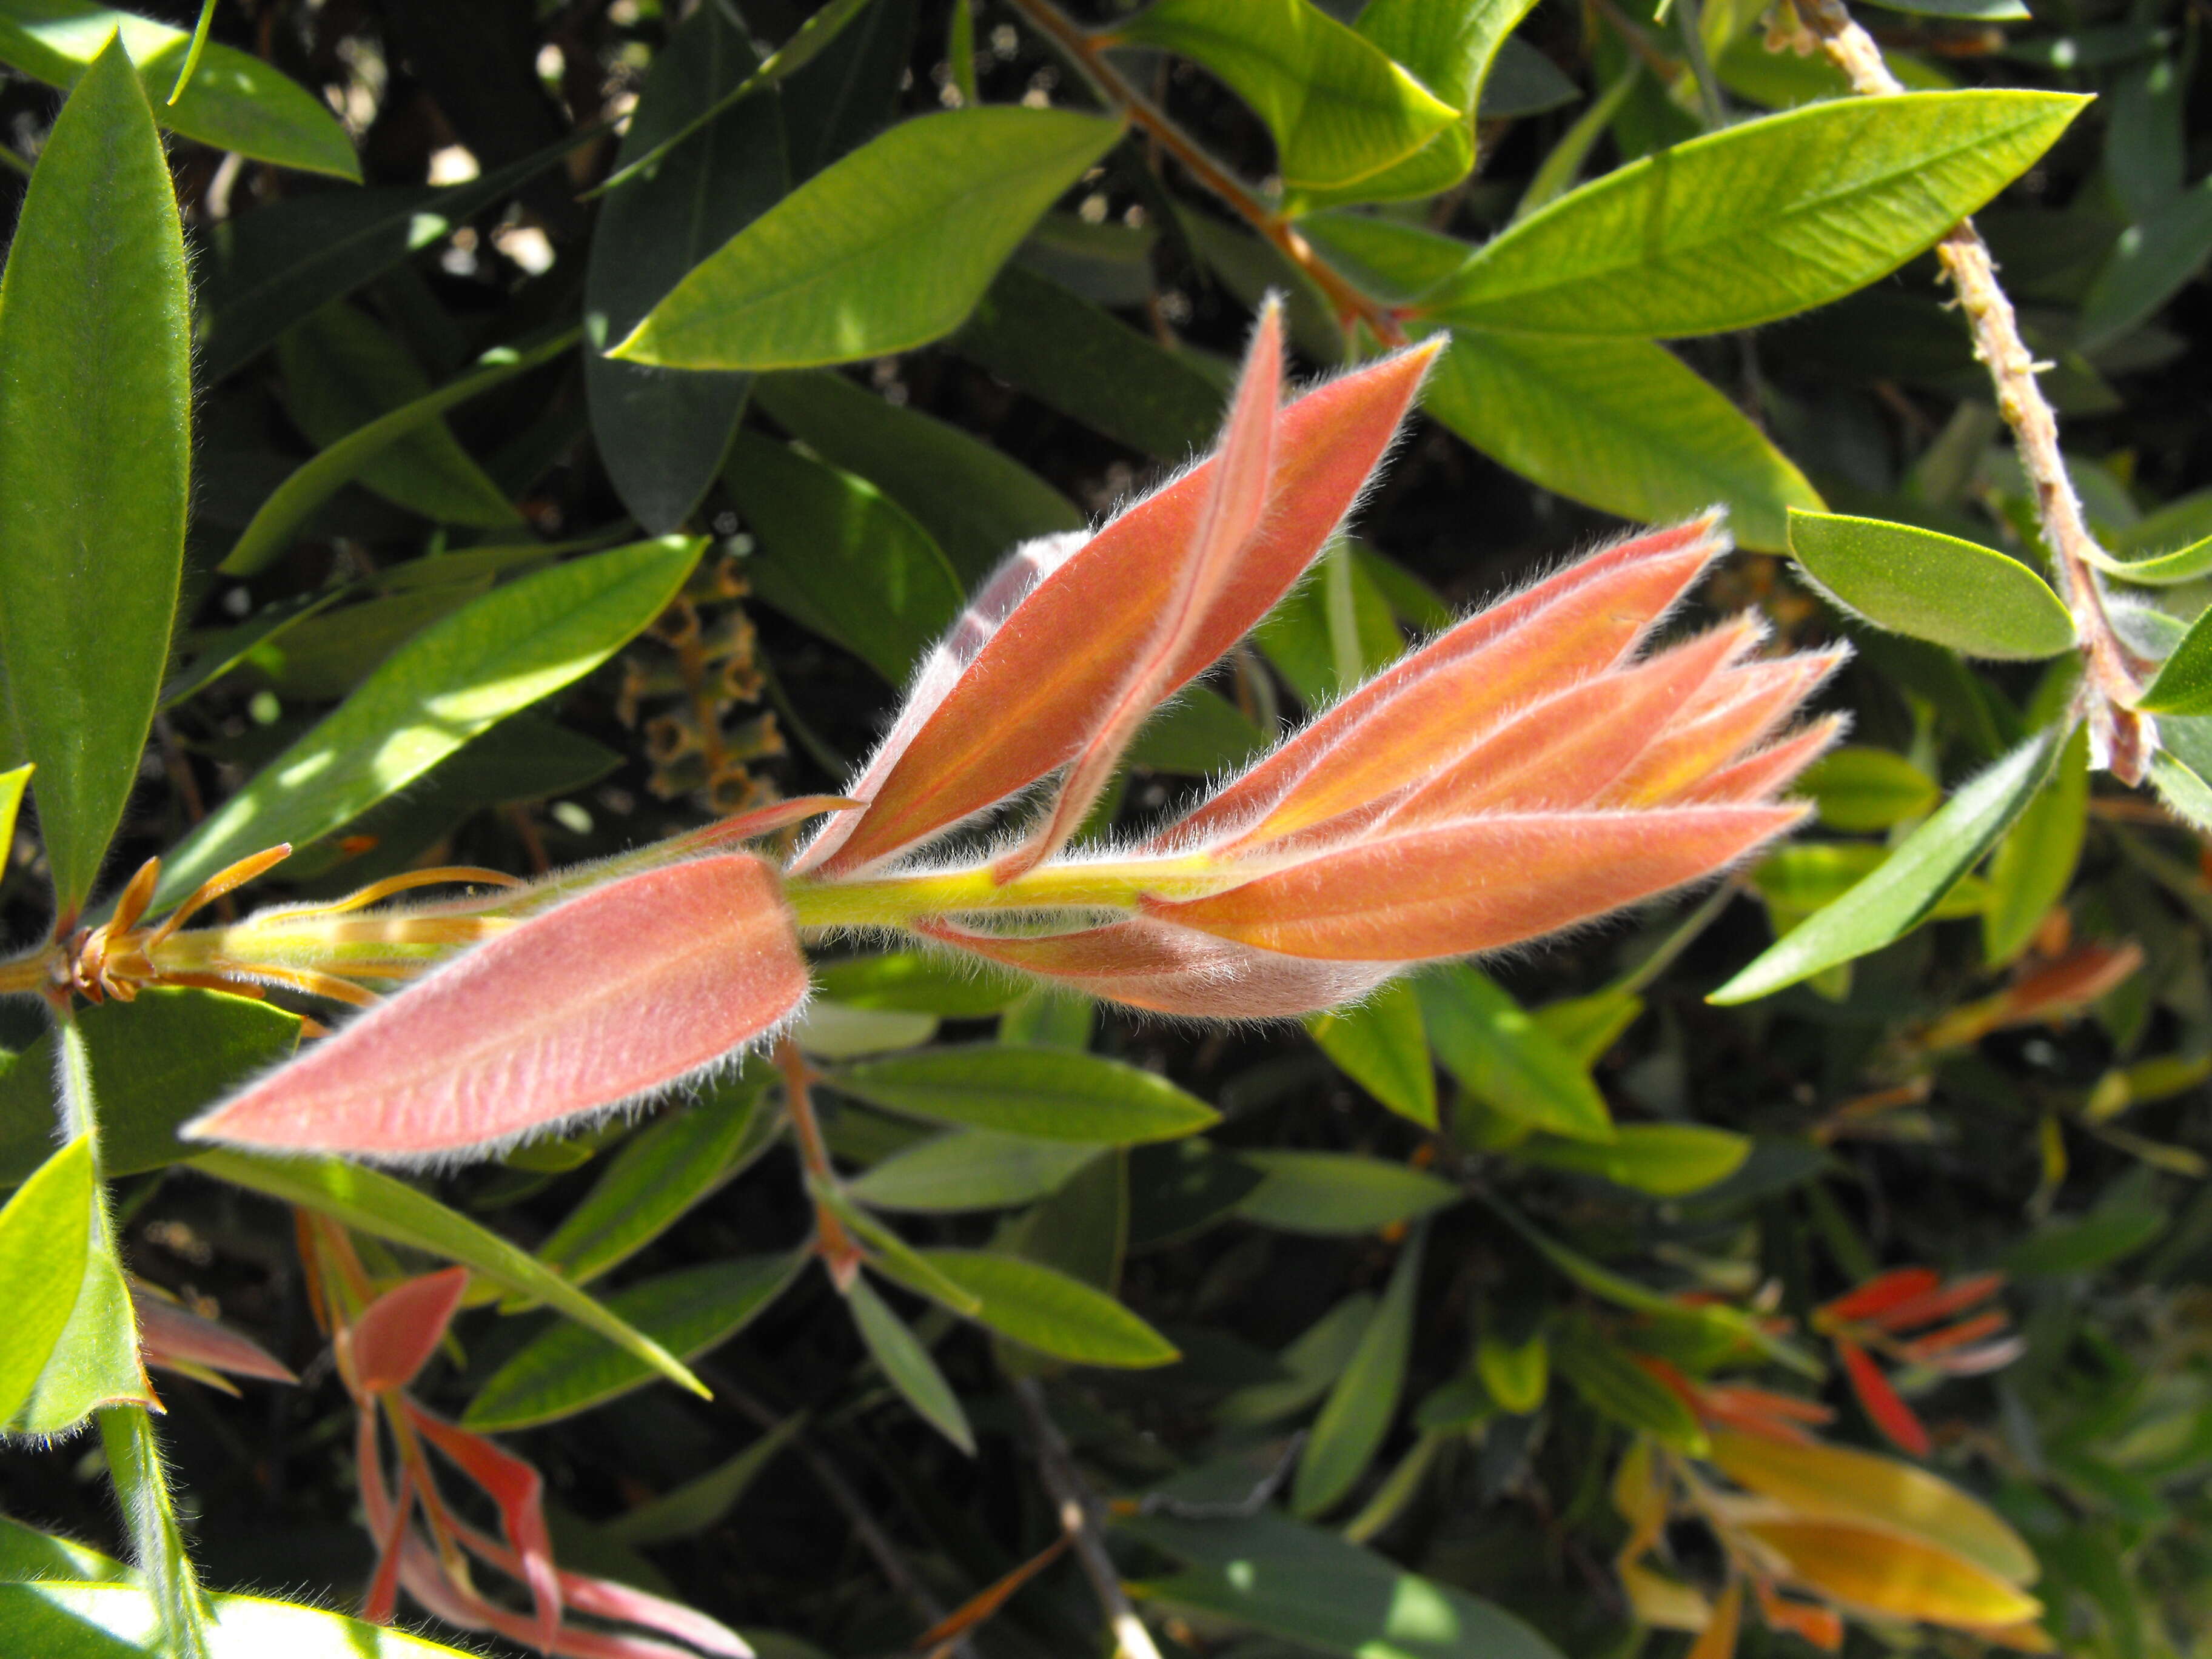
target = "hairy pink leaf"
x: 1478, y: 884
x: 609, y: 996
x: 1733, y: 712
x: 1029, y: 697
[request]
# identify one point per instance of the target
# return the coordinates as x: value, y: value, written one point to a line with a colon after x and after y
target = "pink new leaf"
x: 1027, y: 697
x: 175, y: 1338
x: 608, y: 997
x: 397, y: 1332
x: 517, y: 1490
x: 1235, y: 496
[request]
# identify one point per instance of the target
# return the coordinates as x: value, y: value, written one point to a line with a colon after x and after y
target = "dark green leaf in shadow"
x: 839, y: 556
x: 1310, y: 1363
x: 1043, y: 1308
x: 1201, y: 734
x: 971, y: 1170
x: 907, y: 1364
x: 2035, y: 862
x: 661, y: 432
x: 1330, y: 1193
x: 1052, y: 1094
x: 699, y: 1504
x: 1357, y: 1416
x: 1666, y: 1160
x: 2152, y: 261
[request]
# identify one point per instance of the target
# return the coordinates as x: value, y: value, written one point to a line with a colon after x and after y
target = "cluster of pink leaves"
x: 1528, y: 770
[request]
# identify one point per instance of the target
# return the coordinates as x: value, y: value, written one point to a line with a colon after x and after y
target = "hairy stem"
x: 2123, y: 738
x: 1088, y: 54
x: 833, y: 1241
x: 893, y: 900
x: 141, y: 1486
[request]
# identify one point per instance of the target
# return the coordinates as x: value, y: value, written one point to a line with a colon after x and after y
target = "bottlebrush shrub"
x: 1531, y: 768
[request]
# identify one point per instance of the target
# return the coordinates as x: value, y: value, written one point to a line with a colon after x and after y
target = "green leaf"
x: 906, y: 1362
x: 2183, y: 788
x: 1505, y: 1059
x: 1859, y: 789
x: 11, y: 802
x: 341, y: 372
x: 454, y: 680
x: 2183, y: 564
x: 28, y: 1555
x: 678, y: 1159
x: 662, y: 434
x: 2119, y: 1226
x: 2184, y: 682
x: 315, y: 482
x: 94, y: 1362
x: 1329, y: 1193
x: 1201, y: 734
x: 1357, y: 1414
x: 1796, y: 880
x: 233, y: 100
x: 976, y: 502
x: 45, y: 1232
x: 2151, y: 263
x: 1339, y: 109
x: 1613, y: 1385
x: 1313, y: 1589
x: 1072, y: 356
x: 885, y: 250
x: 1621, y: 424
x: 699, y: 1504
x: 1666, y: 1160
x: 373, y: 1202
x: 95, y: 450
x: 1050, y: 1311
x: 840, y: 557
x: 1392, y: 260
x: 920, y: 982
x: 1380, y: 1044
x: 1451, y: 47
x: 263, y: 272
x: 1517, y: 1375
x: 156, y: 1062
x: 1310, y: 1364
x: 1756, y: 222
x: 1052, y: 1094
x: 118, y: 1621
x: 2034, y: 863
x: 566, y: 1369
x: 1908, y: 885
x: 1587, y: 1027
x: 1934, y: 587
x: 971, y: 1170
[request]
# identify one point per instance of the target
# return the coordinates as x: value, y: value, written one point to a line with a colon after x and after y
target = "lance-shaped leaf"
x: 612, y: 995
x: 1235, y: 496
x: 397, y: 1334
x: 1479, y: 883
x: 1014, y: 689
x: 1883, y: 1572
x: 175, y: 1339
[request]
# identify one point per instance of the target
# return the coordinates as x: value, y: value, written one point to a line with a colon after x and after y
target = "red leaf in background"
x: 175, y: 1338
x: 1922, y: 1349
x: 1878, y: 1294
x: 608, y: 997
x: 397, y: 1334
x: 517, y: 1490
x: 1884, y: 1404
x: 1823, y: 1626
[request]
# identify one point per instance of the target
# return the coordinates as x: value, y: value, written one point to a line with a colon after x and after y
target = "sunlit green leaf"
x: 1664, y: 1159
x: 568, y: 1368
x: 972, y: 1169
x: 118, y: 1621
x: 1912, y: 882
x: 2034, y: 864
x: 1933, y: 588
x: 95, y: 452
x: 455, y: 680
x: 1380, y: 1044
x: 1622, y: 424
x: 883, y: 251
x: 1505, y: 1059
x: 45, y: 1232
x: 1758, y: 220
x: 1860, y: 788
x: 1051, y: 1312
x: 2184, y: 682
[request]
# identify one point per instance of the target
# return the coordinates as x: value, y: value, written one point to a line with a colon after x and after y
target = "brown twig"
x: 1088, y: 54
x: 2123, y: 739
x: 1080, y: 1510
x: 833, y: 1243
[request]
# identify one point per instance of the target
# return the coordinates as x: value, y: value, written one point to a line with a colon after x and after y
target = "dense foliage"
x: 487, y: 475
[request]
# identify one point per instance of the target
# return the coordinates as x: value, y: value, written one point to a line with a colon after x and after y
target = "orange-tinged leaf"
x: 1419, y: 714
x: 1764, y: 772
x: 1884, y: 1407
x: 1822, y: 1626
x: 2026, y: 1637
x: 1479, y: 883
x: 1717, y: 1639
x: 1236, y: 496
x: 1890, y: 1574
x: 1155, y: 965
x: 609, y: 996
x: 2067, y: 985
x: 1564, y: 751
x: 1878, y: 1295
x: 1924, y: 1349
x: 517, y: 1490
x: 397, y: 1334
x: 1028, y: 699
x: 1733, y: 711
x: 1818, y: 1479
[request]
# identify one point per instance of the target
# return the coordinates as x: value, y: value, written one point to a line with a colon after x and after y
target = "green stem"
x: 134, y: 1464
x: 894, y: 900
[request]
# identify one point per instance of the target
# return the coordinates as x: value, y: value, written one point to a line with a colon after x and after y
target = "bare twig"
x: 1088, y: 54
x: 2122, y: 739
x: 1079, y: 1511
